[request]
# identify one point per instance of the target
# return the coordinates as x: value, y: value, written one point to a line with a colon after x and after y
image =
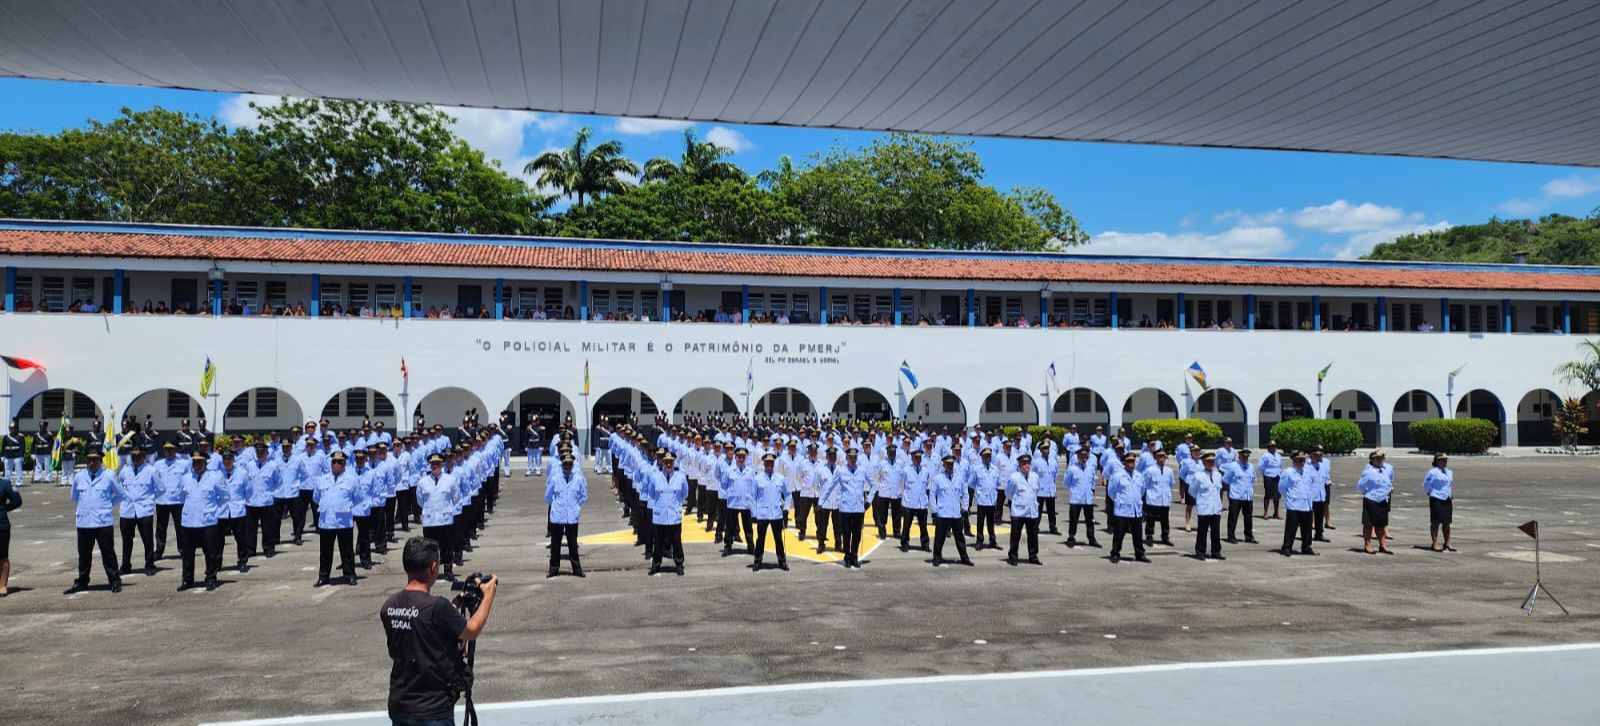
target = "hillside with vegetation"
x: 1554, y: 239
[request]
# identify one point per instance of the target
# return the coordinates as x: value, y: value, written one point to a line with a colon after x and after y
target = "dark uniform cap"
x: 1298, y: 455
x: 1244, y: 452
x: 261, y: 445
x: 168, y: 445
x: 199, y: 457
x: 136, y: 451
x: 916, y: 452
x: 668, y: 459
x: 948, y: 459
x: 360, y: 454
x: 337, y: 456
x: 226, y: 455
x: 740, y: 452
x: 852, y: 451
x: 768, y: 458
x: 1024, y: 459
x: 1130, y: 457
x: 1208, y: 456
x: 1317, y: 450
x: 566, y: 459
x: 436, y: 459
x: 986, y: 452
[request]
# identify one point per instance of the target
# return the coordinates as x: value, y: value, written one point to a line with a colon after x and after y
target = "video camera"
x: 471, y: 589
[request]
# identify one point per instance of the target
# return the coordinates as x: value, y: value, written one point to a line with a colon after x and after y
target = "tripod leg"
x: 1552, y: 597
x: 1527, y: 602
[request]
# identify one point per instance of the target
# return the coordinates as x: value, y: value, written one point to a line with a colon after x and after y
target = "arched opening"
x: 1081, y: 406
x: 618, y: 405
x: 862, y: 404
x: 262, y: 410
x: 1282, y: 405
x: 1225, y: 409
x: 48, y: 406
x: 1146, y: 403
x: 1536, y: 418
x: 1353, y: 405
x: 785, y: 402
x: 1591, y: 403
x: 708, y: 404
x: 447, y: 407
x: 937, y: 408
x: 1478, y: 403
x: 1413, y: 405
x: 547, y: 408
x: 166, y: 409
x: 349, y: 408
x: 1008, y: 407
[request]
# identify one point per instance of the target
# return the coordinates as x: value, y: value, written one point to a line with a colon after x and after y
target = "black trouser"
x: 570, y: 532
x: 738, y: 520
x: 297, y: 512
x: 720, y: 510
x: 1271, y: 495
x: 1047, y: 512
x: 405, y: 500
x: 966, y: 515
x: 1123, y: 526
x: 492, y: 490
x: 850, y: 529
x: 347, y: 560
x: 909, y: 515
x: 669, y: 540
x: 1209, y: 528
x: 886, y: 510
x: 1296, y: 520
x: 693, y: 500
x: 1031, y: 524
x: 208, y: 540
x: 365, y: 526
x: 1000, y: 504
x: 230, y: 527
x: 262, y: 522
x: 1111, y: 519
x: 776, y: 527
x: 1154, y: 515
x: 707, y: 509
x: 802, y: 512
x: 389, y: 506
x: 825, y: 518
x: 164, y: 512
x: 445, y: 535
x: 1319, y: 517
x: 986, y: 520
x: 285, y: 507
x: 145, y: 526
x: 88, y: 537
x: 1245, y: 507
x: 1084, y: 512
x: 946, y: 526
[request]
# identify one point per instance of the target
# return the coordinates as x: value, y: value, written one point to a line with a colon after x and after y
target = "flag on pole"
x: 750, y: 377
x: 905, y: 370
x: 207, y: 377
x: 59, y: 445
x: 1199, y: 375
x: 108, y: 448
x: 1530, y: 528
x: 1322, y: 375
x: 20, y: 364
x: 405, y: 373
x: 585, y: 376
x: 1050, y: 383
x: 1456, y: 372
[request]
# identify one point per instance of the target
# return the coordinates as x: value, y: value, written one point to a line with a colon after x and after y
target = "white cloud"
x: 236, y: 112
x: 1572, y: 187
x: 1338, y: 217
x: 1239, y: 241
x: 1362, y: 243
x: 649, y: 126
x: 730, y: 139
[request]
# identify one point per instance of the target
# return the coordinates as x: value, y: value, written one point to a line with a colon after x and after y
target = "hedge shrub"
x: 1037, y: 432
x: 1335, y: 435
x: 1453, y: 435
x: 1172, y: 430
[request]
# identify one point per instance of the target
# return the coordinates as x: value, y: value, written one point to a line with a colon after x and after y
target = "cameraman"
x: 427, y: 636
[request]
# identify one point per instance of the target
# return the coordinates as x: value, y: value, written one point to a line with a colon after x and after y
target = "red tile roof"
x: 599, y: 256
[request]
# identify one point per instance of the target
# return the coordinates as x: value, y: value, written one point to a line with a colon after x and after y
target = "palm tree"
x: 1584, y: 372
x: 580, y: 171
x: 771, y: 178
x: 702, y: 161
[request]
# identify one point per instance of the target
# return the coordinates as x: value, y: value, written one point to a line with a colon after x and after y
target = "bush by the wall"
x: 1172, y: 430
x: 1453, y: 435
x: 1334, y: 435
x: 1039, y: 433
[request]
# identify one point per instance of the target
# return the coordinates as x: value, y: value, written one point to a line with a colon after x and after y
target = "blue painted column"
x: 1044, y: 309
x: 316, y: 294
x: 1566, y: 308
x: 1116, y: 321
x: 117, y: 279
x: 972, y: 307
x: 822, y: 303
x: 11, y: 290
x: 744, y: 303
x: 216, y: 298
x: 1250, y: 312
x: 897, y: 310
x: 583, y: 301
x: 405, y: 296
x: 1183, y: 318
x: 1383, y: 314
x: 1505, y: 316
x: 499, y: 298
x: 1444, y: 314
x: 666, y: 302
x: 1316, y: 313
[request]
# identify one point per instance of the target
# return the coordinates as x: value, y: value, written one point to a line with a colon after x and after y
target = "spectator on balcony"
x: 1424, y: 326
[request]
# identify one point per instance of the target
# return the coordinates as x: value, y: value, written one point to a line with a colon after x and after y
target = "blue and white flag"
x: 905, y: 370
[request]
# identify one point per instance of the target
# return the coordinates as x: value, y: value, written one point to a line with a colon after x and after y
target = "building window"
x: 266, y: 402
x: 994, y: 402
x: 52, y: 295
x: 83, y: 408
x: 800, y: 306
x: 1165, y: 405
x: 527, y: 299
x: 949, y: 402
x: 649, y: 303
x: 355, y: 402
x: 416, y: 297
x: 360, y: 297
x: 52, y: 404
x: 277, y: 294
x: 552, y: 299
x: 331, y: 408
x: 177, y: 404
x: 332, y: 294
x: 247, y: 292
x: 381, y: 405
x: 385, y: 295
x: 602, y: 301
x: 239, y: 407
x: 1014, y: 403
x: 625, y: 301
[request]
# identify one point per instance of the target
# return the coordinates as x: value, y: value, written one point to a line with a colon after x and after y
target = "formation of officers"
x: 357, y: 487
x: 747, y: 483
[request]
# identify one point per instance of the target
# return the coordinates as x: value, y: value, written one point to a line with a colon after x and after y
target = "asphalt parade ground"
x: 820, y: 643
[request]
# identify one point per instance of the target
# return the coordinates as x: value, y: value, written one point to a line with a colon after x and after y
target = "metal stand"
x: 1538, y: 584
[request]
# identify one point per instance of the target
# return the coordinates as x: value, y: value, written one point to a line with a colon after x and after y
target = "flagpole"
x: 1319, y: 397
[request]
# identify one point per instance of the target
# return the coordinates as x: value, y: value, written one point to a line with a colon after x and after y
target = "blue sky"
x: 1148, y: 199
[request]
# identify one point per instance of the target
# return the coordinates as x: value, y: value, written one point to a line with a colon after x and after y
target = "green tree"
x: 1586, y: 371
x: 580, y: 171
x: 1555, y: 239
x: 702, y: 161
x: 719, y: 210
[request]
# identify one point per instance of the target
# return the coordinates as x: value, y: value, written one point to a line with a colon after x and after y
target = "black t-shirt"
x: 423, y: 633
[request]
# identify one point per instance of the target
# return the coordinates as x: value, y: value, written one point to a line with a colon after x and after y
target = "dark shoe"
x: 271, y: 554
x: 116, y: 586
x: 1286, y: 552
x: 1011, y: 561
x: 1071, y: 542
x: 680, y: 570
x: 1251, y: 540
x: 1320, y: 538
x: 937, y: 562
x: 1217, y: 556
x: 125, y: 570
x: 1308, y: 551
x: 1141, y: 558
x: 212, y: 584
x: 185, y: 586
x: 321, y: 582
x: 298, y: 542
x: 552, y: 573
x: 244, y: 567
x: 1034, y: 561
x: 966, y: 562
x: 1167, y: 542
x: 1149, y: 541
x: 77, y: 587
x: 150, y: 570
x: 1231, y: 540
x: 1201, y: 556
x: 578, y: 571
